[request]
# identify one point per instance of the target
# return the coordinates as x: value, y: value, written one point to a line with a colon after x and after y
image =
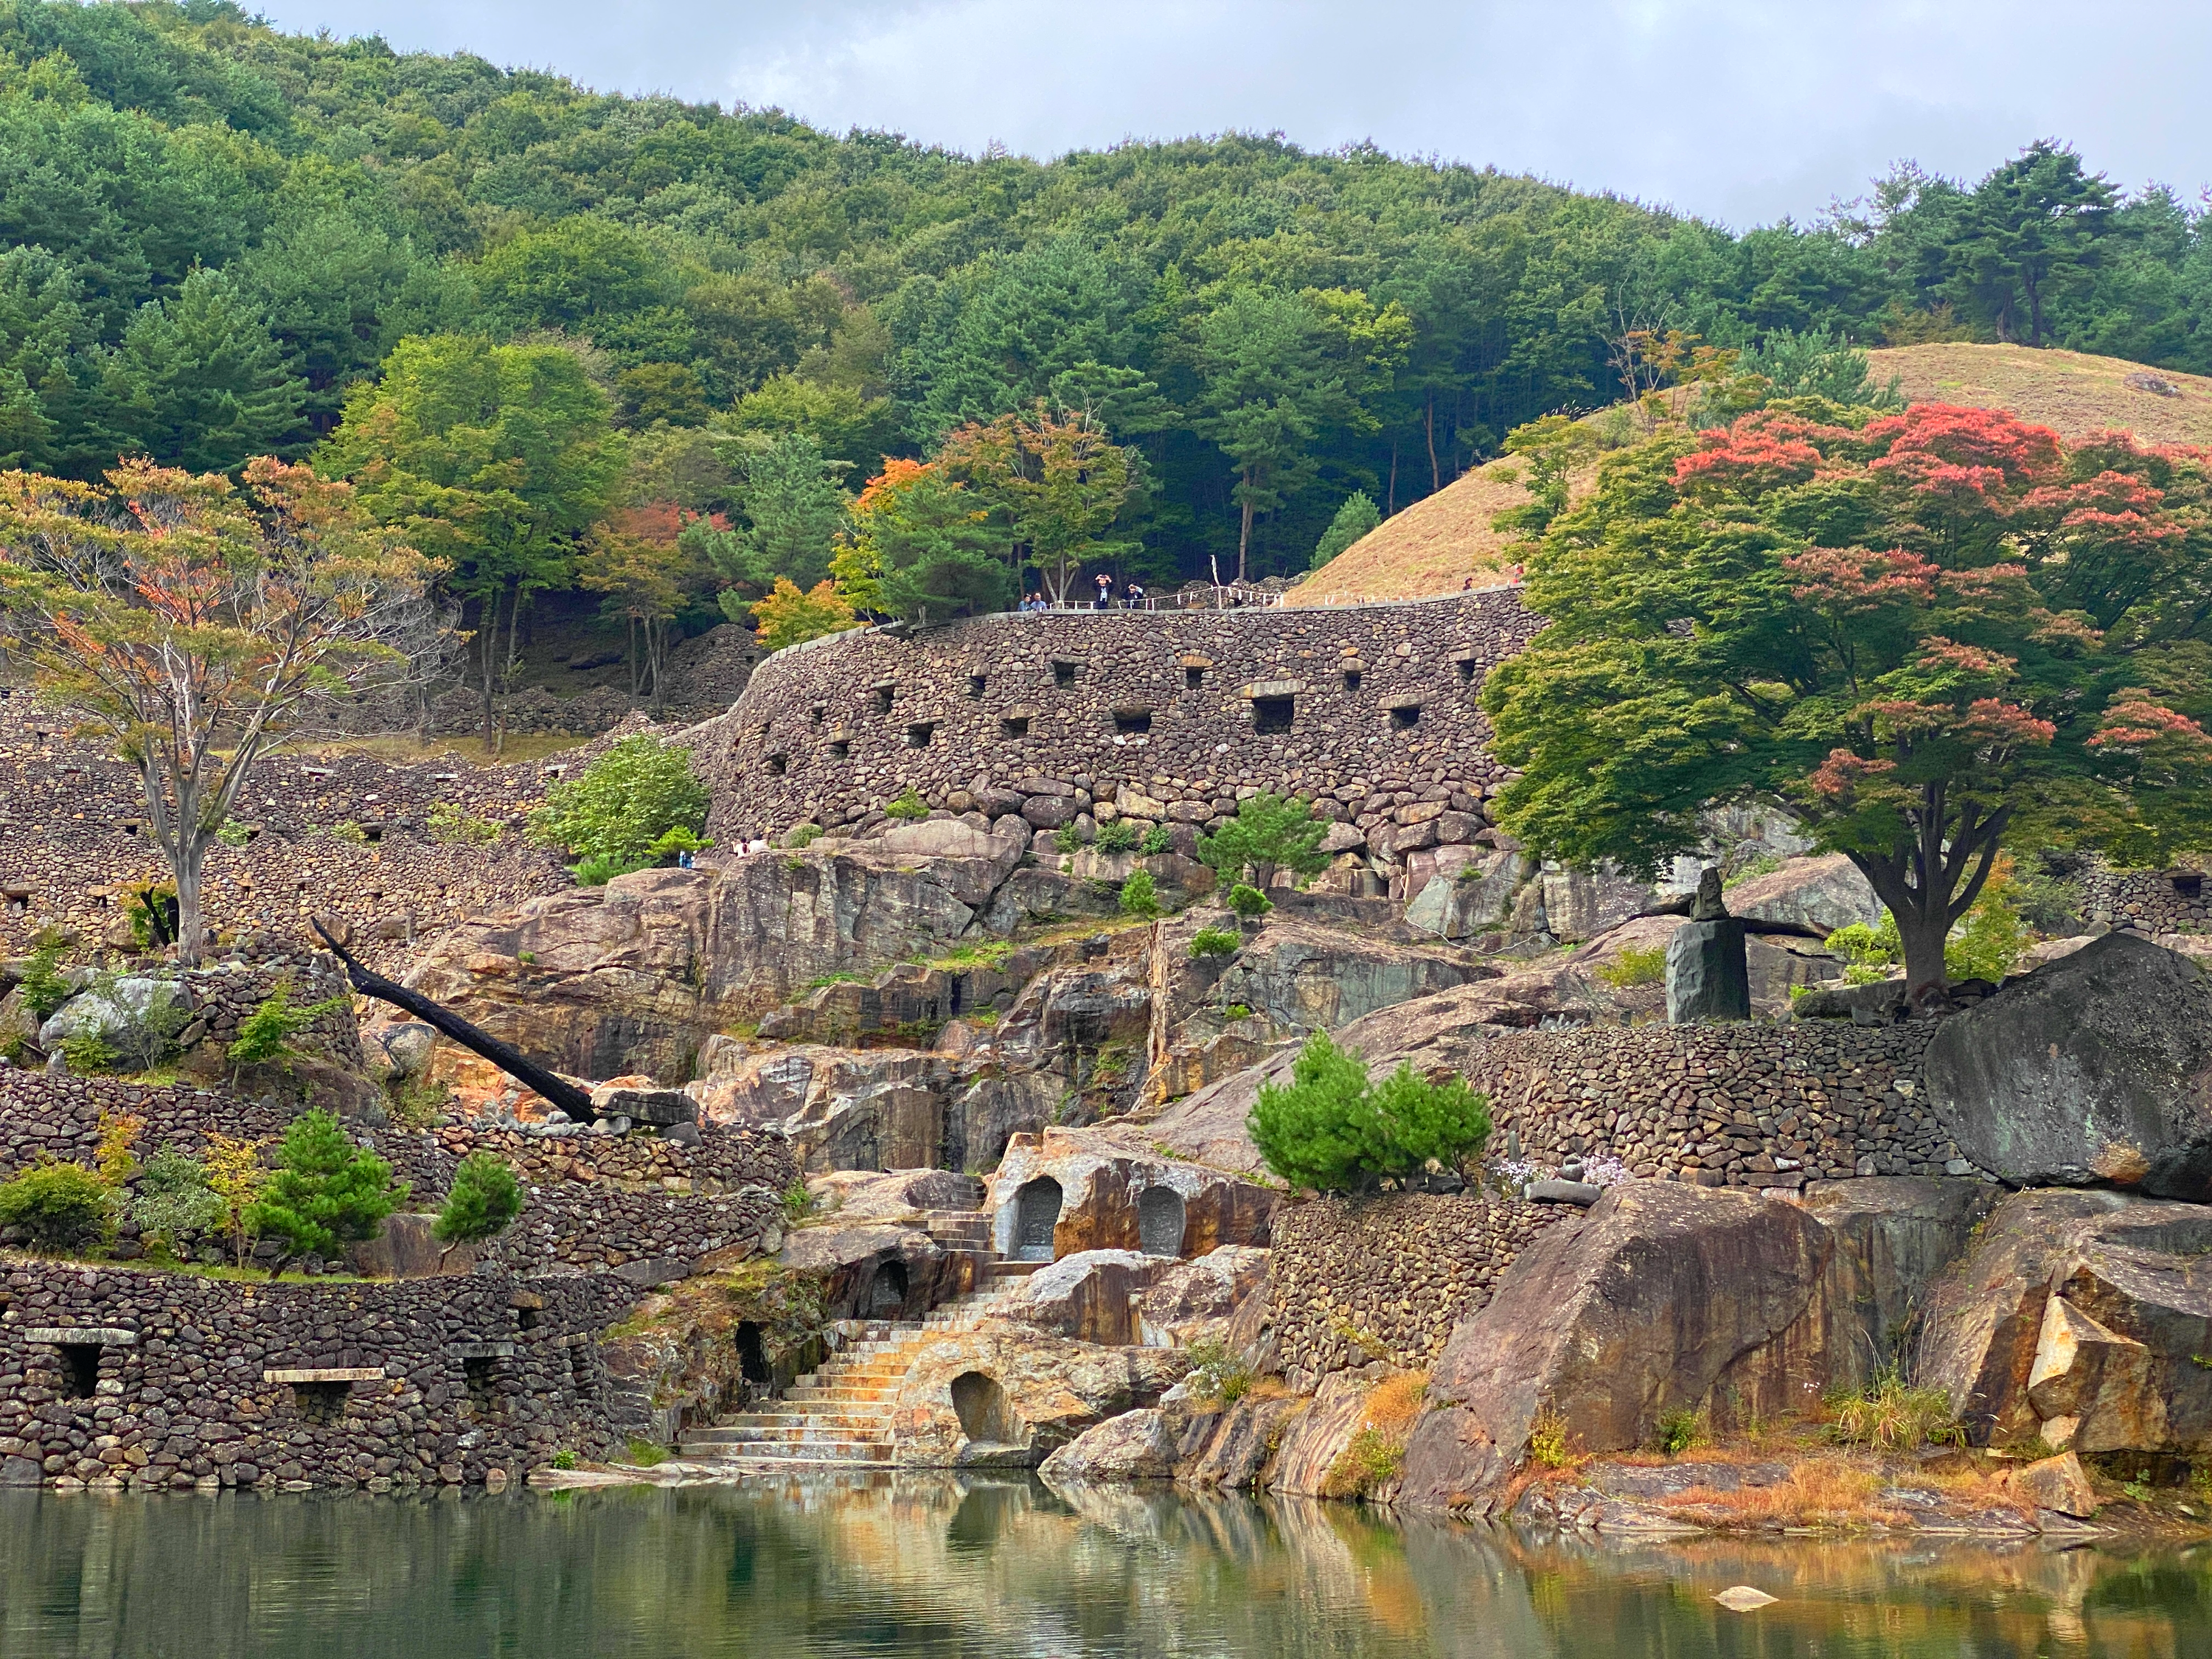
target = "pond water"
x: 942, y: 1566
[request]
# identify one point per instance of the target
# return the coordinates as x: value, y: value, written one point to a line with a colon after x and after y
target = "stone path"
x: 840, y: 1414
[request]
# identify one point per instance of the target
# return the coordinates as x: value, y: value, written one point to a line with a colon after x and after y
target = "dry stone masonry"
x: 111, y: 1377
x: 1351, y: 1281
x: 1157, y: 717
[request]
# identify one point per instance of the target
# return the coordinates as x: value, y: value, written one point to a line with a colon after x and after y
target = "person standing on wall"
x: 1105, y: 591
x: 1132, y: 594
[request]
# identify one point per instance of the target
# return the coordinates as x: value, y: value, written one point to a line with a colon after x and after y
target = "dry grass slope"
x: 1436, y: 544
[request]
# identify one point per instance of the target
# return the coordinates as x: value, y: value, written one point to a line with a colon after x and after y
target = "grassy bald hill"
x: 1435, y: 546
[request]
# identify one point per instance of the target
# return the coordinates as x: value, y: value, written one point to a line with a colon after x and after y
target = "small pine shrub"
x: 1215, y: 942
x: 484, y: 1198
x: 1248, y: 902
x: 1333, y: 1129
x: 1138, y: 897
x: 907, y: 806
x: 1068, y: 839
x: 1119, y: 836
x: 325, y: 1191
x: 88, y: 1054
x: 59, y: 1206
x: 1158, y: 840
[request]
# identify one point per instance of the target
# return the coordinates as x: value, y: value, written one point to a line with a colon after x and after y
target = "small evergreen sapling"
x: 1270, y: 832
x: 1248, y: 902
x: 325, y: 1191
x: 266, y: 1034
x: 1139, y: 898
x: 484, y: 1198
x: 1334, y: 1130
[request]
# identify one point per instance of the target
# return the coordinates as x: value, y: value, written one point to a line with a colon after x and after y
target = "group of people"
x: 1132, y: 596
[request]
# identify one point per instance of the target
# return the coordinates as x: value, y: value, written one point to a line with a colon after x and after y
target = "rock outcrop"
x: 1105, y: 1189
x: 2097, y: 1067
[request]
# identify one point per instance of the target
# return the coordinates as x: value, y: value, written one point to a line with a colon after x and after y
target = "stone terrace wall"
x: 1351, y: 1282
x: 2148, y: 901
x: 1720, y: 1105
x: 1159, y: 714
x: 593, y: 1201
x: 470, y: 1374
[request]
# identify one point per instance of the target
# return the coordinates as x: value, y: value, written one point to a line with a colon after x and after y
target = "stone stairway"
x: 839, y: 1415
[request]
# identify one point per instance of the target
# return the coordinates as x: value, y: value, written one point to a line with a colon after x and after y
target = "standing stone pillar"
x: 1708, y: 975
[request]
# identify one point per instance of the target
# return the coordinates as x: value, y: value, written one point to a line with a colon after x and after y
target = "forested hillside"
x: 216, y: 236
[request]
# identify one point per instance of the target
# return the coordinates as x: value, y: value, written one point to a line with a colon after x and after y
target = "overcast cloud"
x: 1739, y: 111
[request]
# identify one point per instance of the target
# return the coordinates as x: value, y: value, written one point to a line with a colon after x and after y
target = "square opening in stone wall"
x: 371, y: 832
x: 1405, y: 716
x: 2187, y: 883
x: 1466, y: 666
x: 1351, y: 677
x: 1064, y: 674
x: 975, y: 685
x: 840, y: 750
x: 1014, y: 725
x: 323, y: 1404
x: 479, y: 1375
x: 80, y: 1364
x: 1272, y: 714
x: 778, y: 765
x: 918, y: 734
x: 1129, y: 721
x: 819, y: 712
x: 884, y: 695
x: 1193, y: 678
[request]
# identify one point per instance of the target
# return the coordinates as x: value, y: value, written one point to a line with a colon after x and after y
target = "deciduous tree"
x: 196, y: 625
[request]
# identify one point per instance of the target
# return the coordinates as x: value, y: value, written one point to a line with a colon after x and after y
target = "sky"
x: 1739, y: 112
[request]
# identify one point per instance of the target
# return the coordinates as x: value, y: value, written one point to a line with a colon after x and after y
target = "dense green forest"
x: 217, y: 235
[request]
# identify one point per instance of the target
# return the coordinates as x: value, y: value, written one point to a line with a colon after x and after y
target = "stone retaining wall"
x: 1353, y: 1281
x: 114, y: 1376
x: 2153, y: 902
x: 1160, y: 716
x: 1719, y: 1105
x: 593, y: 1201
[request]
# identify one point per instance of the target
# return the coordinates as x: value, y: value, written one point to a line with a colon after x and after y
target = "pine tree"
x: 1353, y: 519
x: 325, y: 1191
x: 484, y: 1198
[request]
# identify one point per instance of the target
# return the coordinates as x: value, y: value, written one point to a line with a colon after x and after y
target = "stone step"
x: 859, y: 1422
x: 815, y: 1451
x: 798, y: 1434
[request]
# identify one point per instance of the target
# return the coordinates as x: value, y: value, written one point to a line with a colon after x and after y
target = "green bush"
x: 1119, y: 836
x: 1138, y: 897
x: 1219, y: 1373
x: 231, y: 833
x: 484, y: 1198
x: 325, y: 1191
x: 1633, y: 967
x: 907, y: 806
x: 447, y: 822
x: 1215, y: 942
x: 1068, y: 839
x: 151, y: 912
x: 60, y: 1206
x: 266, y: 1034
x: 174, y: 1197
x: 1250, y: 902
x: 1270, y: 832
x: 88, y: 1053
x: 637, y: 805
x: 1333, y: 1129
x: 1158, y: 840
x: 1353, y: 519
x: 45, y: 986
x: 350, y: 831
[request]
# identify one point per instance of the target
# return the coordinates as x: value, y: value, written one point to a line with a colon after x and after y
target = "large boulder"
x: 1090, y: 1296
x: 1663, y: 1298
x: 1895, y: 1237
x: 1009, y: 1396
x: 2097, y: 1067
x: 2078, y: 1318
x: 1708, y: 975
x: 1306, y: 978
x: 1194, y: 1301
x: 137, y: 1015
x: 1826, y: 893
x: 877, y: 1269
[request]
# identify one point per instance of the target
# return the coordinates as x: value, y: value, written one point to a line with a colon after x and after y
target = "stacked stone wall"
x: 1161, y: 716
x: 1353, y: 1281
x: 593, y: 1201
x: 2153, y: 902
x: 1719, y: 1105
x: 111, y: 1376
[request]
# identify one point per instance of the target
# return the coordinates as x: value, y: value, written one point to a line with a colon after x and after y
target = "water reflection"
x: 944, y: 1565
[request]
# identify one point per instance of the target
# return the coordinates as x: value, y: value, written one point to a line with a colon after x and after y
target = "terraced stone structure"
x: 114, y: 1376
x: 1155, y: 716
x: 1353, y: 1281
